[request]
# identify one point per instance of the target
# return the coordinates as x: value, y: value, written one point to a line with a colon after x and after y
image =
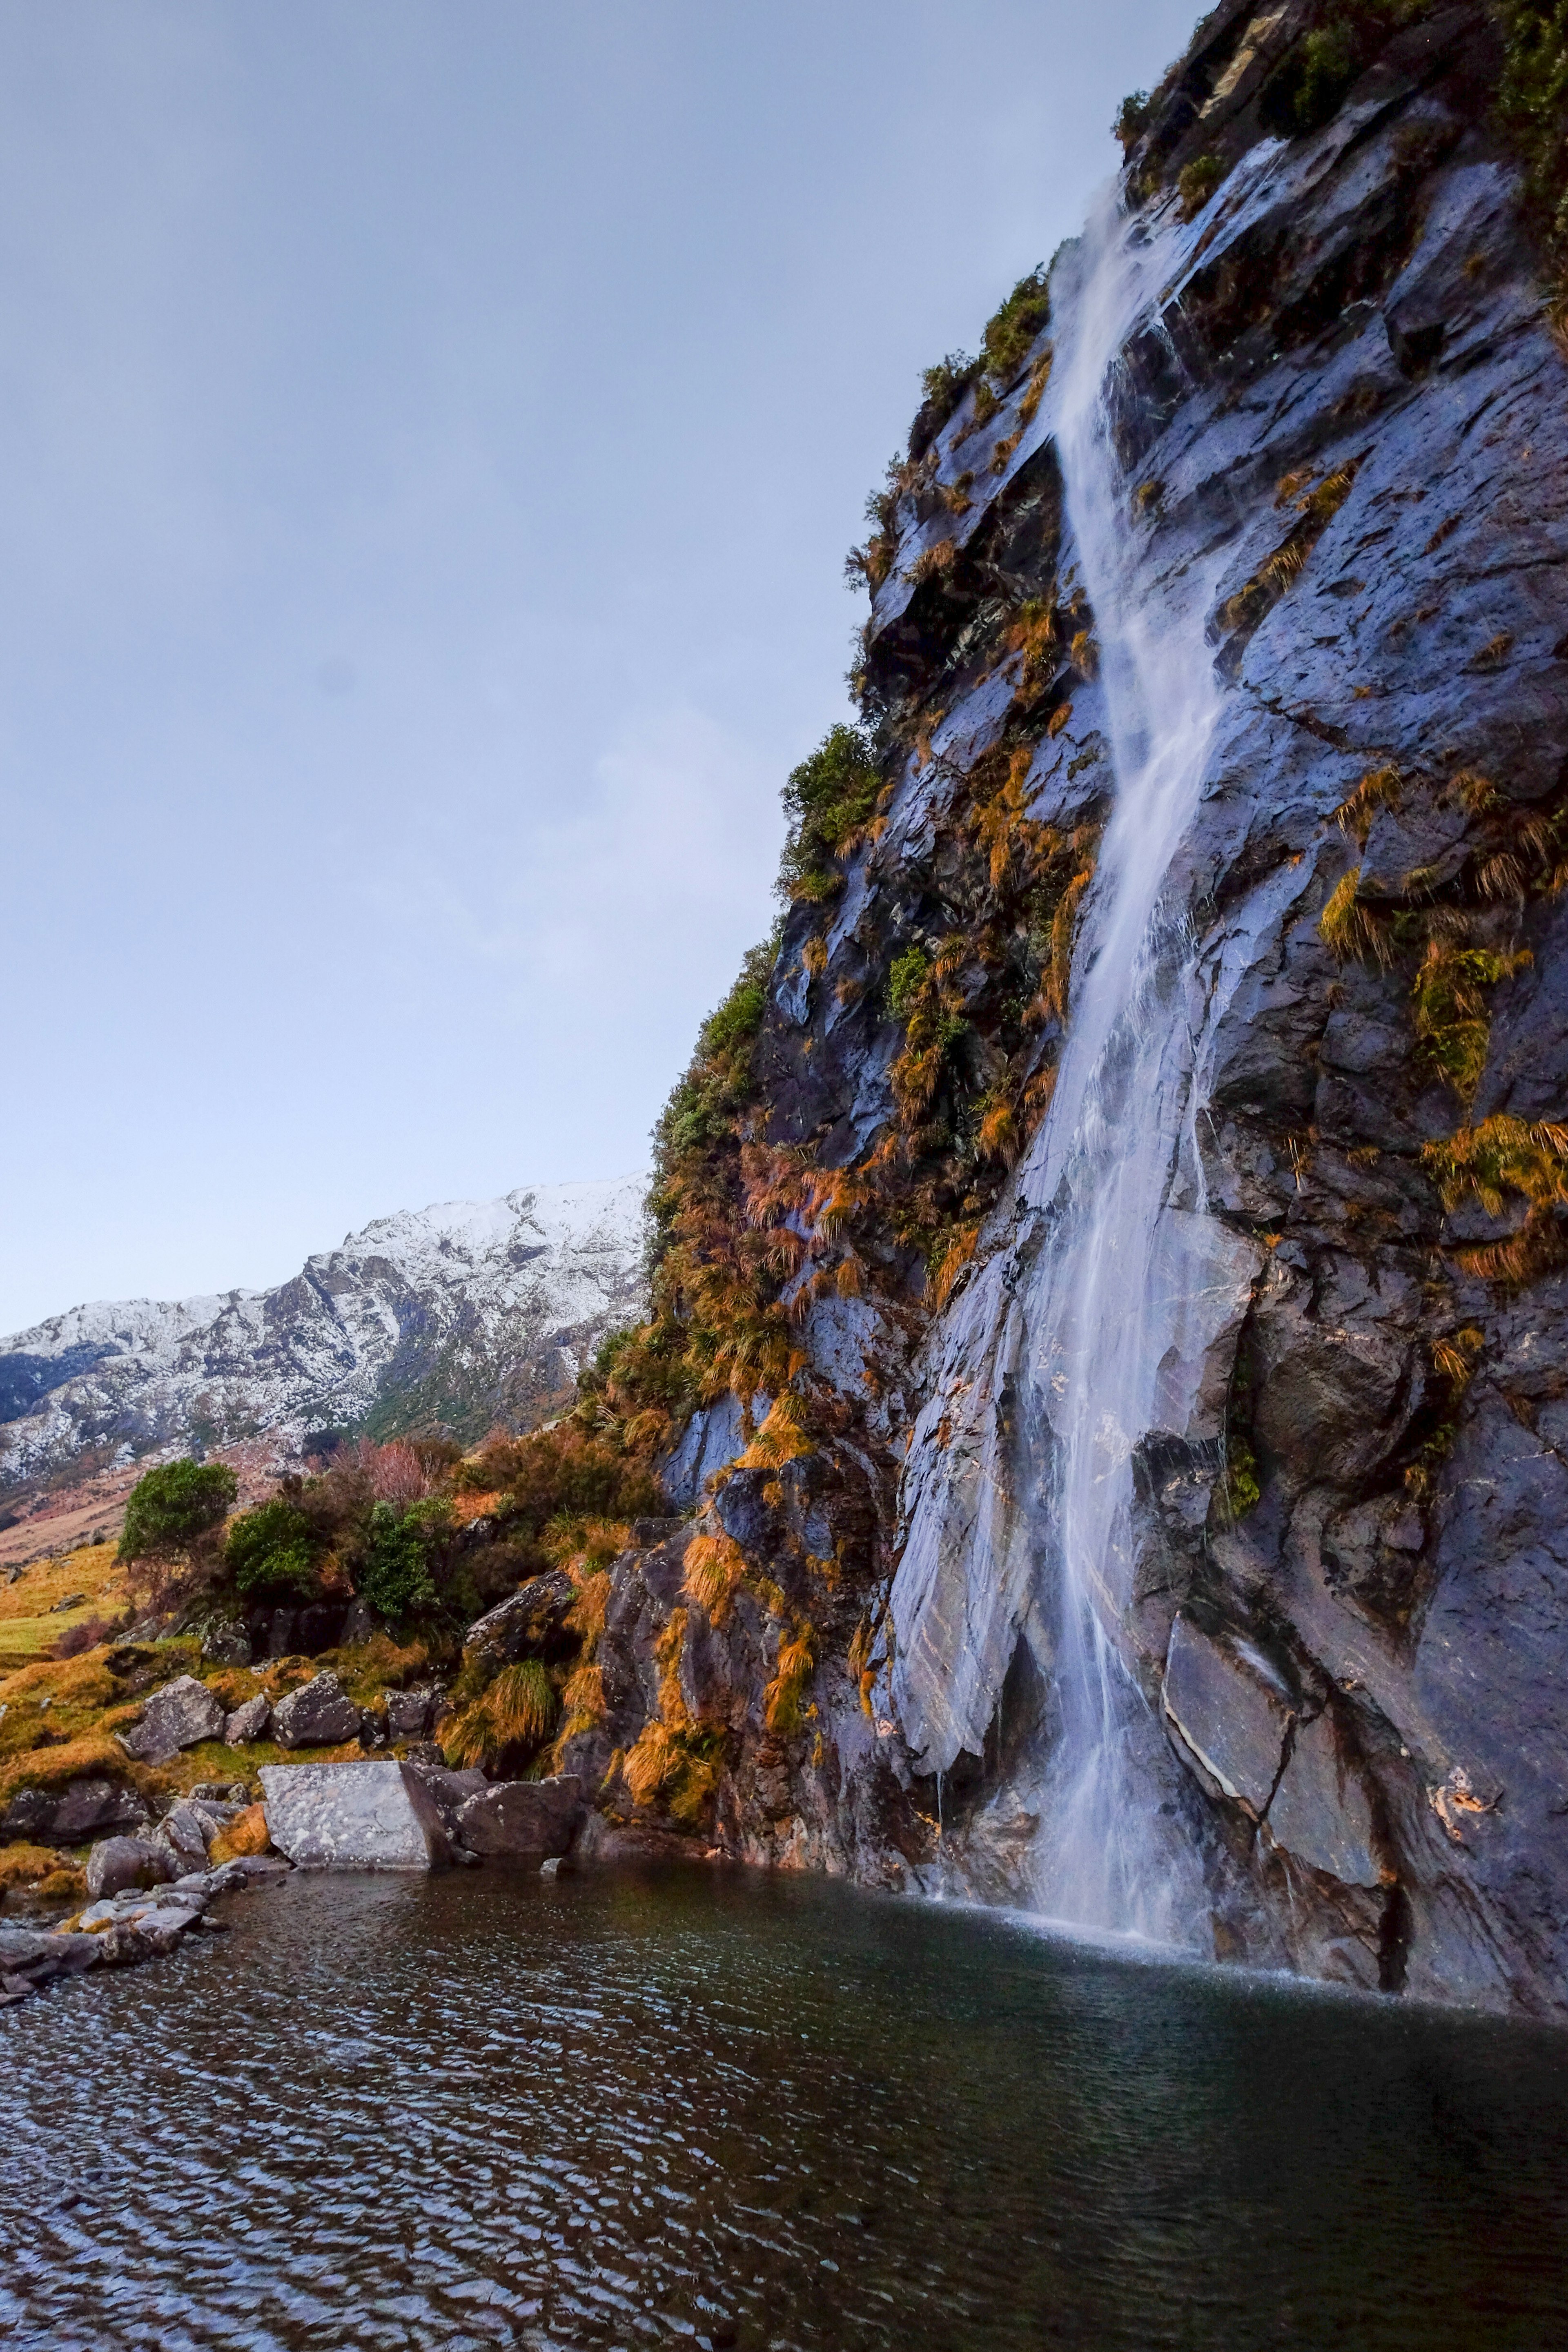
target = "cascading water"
x: 1111, y: 1288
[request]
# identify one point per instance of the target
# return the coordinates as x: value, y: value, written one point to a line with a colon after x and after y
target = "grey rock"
x: 68, y: 1816
x: 181, y: 1715
x: 370, y: 1816
x: 227, y: 1644
x: 187, y: 1828
x: 407, y: 1714
x: 449, y: 1792
x: 319, y: 1714
x: 526, y: 1819
x: 1320, y: 1813
x: 1230, y: 1710
x: 529, y: 1624
x: 249, y: 1722
x: 115, y: 1864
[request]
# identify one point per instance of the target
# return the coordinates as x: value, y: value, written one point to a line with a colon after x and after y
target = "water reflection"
x: 714, y: 2109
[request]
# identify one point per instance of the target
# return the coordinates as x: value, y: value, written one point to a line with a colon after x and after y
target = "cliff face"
x: 462, y: 1315
x: 1165, y: 1520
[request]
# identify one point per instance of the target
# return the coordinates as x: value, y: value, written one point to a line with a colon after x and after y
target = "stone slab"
x: 354, y: 1816
x: 1320, y: 1813
x: 1229, y: 1713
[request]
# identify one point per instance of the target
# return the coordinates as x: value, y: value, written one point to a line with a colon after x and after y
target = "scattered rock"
x: 370, y: 1816
x: 407, y: 1714
x: 118, y: 1863
x: 68, y: 1816
x: 319, y: 1714
x: 186, y: 1830
x: 226, y: 1644
x: 523, y: 1817
x: 181, y: 1715
x: 71, y: 1601
x: 249, y: 1722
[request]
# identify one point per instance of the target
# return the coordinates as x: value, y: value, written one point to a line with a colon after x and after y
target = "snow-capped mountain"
x: 456, y: 1316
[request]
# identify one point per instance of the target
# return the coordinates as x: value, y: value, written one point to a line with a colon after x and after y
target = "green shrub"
x: 826, y: 799
x: 270, y: 1550
x: 1196, y: 182
x: 1132, y: 119
x: 1532, y: 102
x: 906, y: 980
x: 397, y: 1576
x: 174, y: 1505
x: 1011, y: 329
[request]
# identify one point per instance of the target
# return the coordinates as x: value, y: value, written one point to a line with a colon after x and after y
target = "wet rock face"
x: 1345, y: 1575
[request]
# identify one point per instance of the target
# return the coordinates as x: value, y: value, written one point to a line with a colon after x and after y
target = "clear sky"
x: 430, y: 432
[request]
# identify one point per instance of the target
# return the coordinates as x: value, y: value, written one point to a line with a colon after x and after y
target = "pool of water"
x: 714, y: 2108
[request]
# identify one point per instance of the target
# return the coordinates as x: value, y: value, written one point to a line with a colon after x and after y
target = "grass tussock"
x: 714, y: 1567
x: 1502, y: 1158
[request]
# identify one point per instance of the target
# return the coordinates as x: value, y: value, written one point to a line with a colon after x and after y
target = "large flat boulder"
x: 181, y: 1715
x: 319, y: 1714
x: 528, y: 1818
x: 354, y: 1816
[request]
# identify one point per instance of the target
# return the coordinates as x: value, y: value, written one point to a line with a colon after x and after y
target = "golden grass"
x: 796, y: 1660
x: 247, y: 1833
x: 24, y: 1865
x: 781, y: 1438
x: 714, y: 1567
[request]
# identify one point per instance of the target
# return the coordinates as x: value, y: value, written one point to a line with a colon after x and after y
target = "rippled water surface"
x: 710, y: 2108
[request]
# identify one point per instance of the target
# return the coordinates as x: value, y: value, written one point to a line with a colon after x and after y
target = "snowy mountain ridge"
x: 458, y: 1315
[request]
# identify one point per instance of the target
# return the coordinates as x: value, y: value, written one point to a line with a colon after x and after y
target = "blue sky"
x: 429, y: 438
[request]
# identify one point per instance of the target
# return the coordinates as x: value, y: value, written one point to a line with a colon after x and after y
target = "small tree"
x: 272, y: 1549
x: 174, y: 1507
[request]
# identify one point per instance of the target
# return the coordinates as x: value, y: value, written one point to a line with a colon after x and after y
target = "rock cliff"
x: 1116, y: 1244
x: 459, y: 1316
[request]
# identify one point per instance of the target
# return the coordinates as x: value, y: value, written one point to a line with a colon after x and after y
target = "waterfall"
x: 1109, y: 1291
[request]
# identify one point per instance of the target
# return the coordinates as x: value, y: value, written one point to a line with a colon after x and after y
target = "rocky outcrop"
x: 466, y: 1315
x: 1331, y: 1598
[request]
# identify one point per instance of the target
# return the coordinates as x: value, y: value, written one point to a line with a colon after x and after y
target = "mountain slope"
x: 455, y: 1317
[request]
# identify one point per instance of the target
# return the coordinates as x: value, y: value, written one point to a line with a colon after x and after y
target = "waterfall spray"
x: 1108, y: 1288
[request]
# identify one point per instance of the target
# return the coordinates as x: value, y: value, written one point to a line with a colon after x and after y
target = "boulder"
x: 226, y: 1644
x: 319, y: 1714
x: 449, y: 1791
x: 118, y: 1863
x: 182, y: 1714
x: 251, y: 1721
x: 528, y: 1819
x: 529, y: 1625
x: 407, y: 1713
x: 68, y: 1816
x: 186, y: 1830
x: 368, y: 1816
